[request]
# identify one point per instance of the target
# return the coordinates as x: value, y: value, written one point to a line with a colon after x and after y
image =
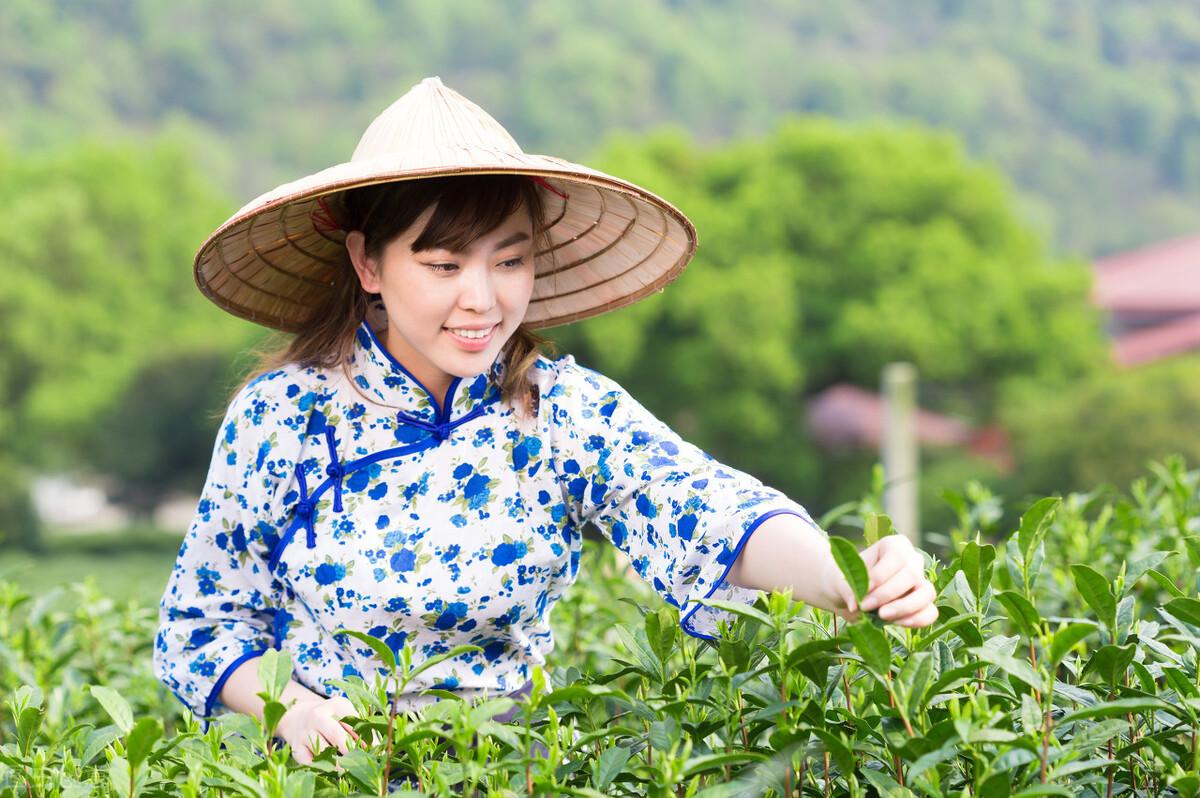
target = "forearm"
x: 786, y: 552
x: 240, y: 688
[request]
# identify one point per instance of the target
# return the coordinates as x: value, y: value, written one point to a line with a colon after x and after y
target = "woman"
x: 412, y: 465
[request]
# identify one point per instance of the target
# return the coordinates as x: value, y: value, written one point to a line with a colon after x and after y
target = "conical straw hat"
x: 613, y: 242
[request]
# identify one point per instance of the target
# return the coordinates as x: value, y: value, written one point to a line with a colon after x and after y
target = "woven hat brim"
x: 612, y: 242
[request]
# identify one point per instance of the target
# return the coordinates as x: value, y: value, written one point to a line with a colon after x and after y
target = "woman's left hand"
x: 898, y: 588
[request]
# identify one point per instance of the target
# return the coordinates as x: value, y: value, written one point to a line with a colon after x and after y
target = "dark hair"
x: 467, y: 207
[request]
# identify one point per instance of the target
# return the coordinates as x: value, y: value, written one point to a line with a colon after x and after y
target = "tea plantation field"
x: 1064, y: 663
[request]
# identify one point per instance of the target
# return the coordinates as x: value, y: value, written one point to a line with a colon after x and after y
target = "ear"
x: 366, y: 267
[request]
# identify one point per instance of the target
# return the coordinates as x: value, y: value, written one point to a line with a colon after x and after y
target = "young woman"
x: 413, y: 466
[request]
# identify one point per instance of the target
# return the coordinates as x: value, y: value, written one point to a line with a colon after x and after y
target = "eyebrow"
x: 515, y: 238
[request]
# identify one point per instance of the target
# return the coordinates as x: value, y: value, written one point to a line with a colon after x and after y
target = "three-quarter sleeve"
x: 216, y: 610
x: 680, y: 515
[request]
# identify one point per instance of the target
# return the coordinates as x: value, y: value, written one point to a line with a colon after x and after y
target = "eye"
x: 442, y: 267
x: 514, y: 263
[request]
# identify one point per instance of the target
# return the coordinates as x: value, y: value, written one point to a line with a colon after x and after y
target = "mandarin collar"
x: 385, y: 379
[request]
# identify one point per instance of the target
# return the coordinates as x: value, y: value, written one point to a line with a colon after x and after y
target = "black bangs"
x: 467, y: 207
x: 471, y: 207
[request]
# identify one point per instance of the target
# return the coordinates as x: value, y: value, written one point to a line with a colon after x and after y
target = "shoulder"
x: 564, y: 376
x: 578, y: 395
x: 276, y: 401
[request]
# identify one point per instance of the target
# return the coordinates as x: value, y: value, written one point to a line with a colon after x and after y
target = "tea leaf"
x: 28, y: 724
x: 716, y: 762
x: 663, y: 734
x: 1185, y: 609
x: 875, y: 527
x: 1166, y: 583
x: 1096, y: 592
x: 1034, y: 523
x: 837, y: 749
x: 97, y: 741
x: 872, y: 646
x: 457, y: 651
x: 661, y: 630
x: 1011, y: 665
x: 851, y: 564
x: 1110, y: 662
x: 1020, y: 612
x: 361, y: 767
x: 239, y: 778
x: 1066, y: 638
x: 1118, y: 708
x: 118, y: 775
x: 273, y: 711
x: 913, y: 681
x: 743, y: 610
x: 608, y: 766
x: 116, y: 707
x: 1191, y: 546
x: 976, y: 563
x: 142, y: 739
x: 274, y: 672
x: 381, y: 649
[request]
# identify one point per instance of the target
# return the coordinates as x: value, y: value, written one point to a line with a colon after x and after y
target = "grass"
x: 132, y: 563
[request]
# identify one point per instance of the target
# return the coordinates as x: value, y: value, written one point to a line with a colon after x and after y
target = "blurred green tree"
x: 96, y: 248
x: 826, y: 252
x: 1103, y: 429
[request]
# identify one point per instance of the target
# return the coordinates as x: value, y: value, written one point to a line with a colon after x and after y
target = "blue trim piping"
x: 335, y: 470
x: 216, y: 691
x: 684, y: 622
x: 306, y: 513
x: 384, y: 351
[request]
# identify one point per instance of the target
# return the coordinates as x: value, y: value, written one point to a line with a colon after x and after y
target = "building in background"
x: 1152, y: 297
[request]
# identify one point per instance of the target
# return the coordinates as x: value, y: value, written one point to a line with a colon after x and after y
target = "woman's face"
x: 429, y: 294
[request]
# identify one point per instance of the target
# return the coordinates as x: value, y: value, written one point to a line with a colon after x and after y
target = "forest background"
x: 872, y: 181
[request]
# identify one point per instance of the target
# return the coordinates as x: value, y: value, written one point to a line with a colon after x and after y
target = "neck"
x: 436, y: 381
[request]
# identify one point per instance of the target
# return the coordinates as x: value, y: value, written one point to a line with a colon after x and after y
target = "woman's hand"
x: 898, y: 588
x: 310, y: 725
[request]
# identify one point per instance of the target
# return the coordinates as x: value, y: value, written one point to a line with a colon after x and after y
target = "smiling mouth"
x: 479, y: 335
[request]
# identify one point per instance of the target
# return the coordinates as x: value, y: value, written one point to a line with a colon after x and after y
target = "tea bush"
x: 1064, y: 663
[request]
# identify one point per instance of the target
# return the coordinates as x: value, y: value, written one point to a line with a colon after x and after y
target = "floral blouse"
x: 354, y: 499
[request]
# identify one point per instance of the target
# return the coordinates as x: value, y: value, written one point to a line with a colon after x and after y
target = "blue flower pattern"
x: 357, y: 501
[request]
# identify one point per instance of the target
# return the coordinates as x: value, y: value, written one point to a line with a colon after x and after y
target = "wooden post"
x: 901, y: 466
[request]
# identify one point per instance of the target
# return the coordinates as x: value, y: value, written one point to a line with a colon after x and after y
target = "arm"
x: 218, y: 609
x: 785, y: 552
x: 241, y: 688
x: 681, y: 516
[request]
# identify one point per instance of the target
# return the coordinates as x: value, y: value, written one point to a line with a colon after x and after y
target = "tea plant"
x: 1064, y: 662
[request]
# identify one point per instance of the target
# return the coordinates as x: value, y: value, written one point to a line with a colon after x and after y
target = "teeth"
x: 472, y: 333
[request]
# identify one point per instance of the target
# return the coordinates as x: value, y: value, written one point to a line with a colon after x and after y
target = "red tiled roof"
x: 1161, y: 278
x: 1154, y: 343
x: 846, y: 417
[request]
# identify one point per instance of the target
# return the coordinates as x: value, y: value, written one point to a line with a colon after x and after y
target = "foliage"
x: 19, y: 524
x: 1104, y: 428
x: 1084, y: 105
x: 1043, y: 676
x: 827, y: 252
x: 96, y: 246
x: 158, y: 435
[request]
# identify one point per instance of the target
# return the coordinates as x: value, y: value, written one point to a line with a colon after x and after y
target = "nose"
x: 478, y: 293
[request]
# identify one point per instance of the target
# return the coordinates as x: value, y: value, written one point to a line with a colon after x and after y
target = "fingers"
x: 895, y: 575
x: 885, y: 558
x: 334, y: 732
x: 910, y: 604
x: 924, y: 617
x: 899, y: 589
